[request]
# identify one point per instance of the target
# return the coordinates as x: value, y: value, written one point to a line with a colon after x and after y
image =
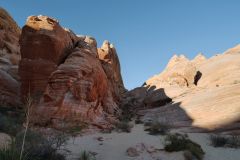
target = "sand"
x: 114, y: 145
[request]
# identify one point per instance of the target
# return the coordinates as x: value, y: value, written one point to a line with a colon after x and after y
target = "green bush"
x: 123, y: 126
x: 138, y: 121
x: 9, y: 125
x: 9, y: 153
x: 225, y: 141
x: 86, y: 156
x: 178, y: 142
x: 157, y: 128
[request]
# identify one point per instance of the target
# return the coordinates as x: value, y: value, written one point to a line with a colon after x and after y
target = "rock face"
x: 9, y: 58
x: 179, y: 72
x: 111, y: 65
x: 44, y: 45
x: 210, y: 101
x: 9, y: 90
x: 9, y: 36
x: 73, y: 84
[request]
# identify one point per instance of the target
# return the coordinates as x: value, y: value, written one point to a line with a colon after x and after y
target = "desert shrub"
x: 138, y: 121
x: 11, y: 120
x: 234, y: 142
x: 157, y: 128
x: 123, y: 126
x: 9, y: 125
x: 218, y: 141
x: 85, y: 155
x: 127, y: 113
x: 12, y: 153
x: 236, y: 81
x: 76, y: 129
x: 225, y: 141
x: 41, y: 148
x: 178, y: 142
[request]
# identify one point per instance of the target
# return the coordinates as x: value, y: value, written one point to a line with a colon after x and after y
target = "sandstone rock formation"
x: 211, y: 104
x: 74, y: 81
x: 111, y: 65
x: 44, y: 45
x: 9, y: 58
x: 180, y: 72
x: 9, y: 36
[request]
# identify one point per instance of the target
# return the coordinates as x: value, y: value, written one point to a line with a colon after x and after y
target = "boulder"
x: 5, y: 140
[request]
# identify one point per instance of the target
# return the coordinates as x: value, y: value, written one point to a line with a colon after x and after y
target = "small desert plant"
x: 123, y: 126
x: 40, y: 147
x: 127, y: 112
x: 157, y: 128
x: 11, y: 120
x: 218, y: 141
x: 85, y: 155
x: 9, y: 125
x: 236, y: 81
x: 178, y: 142
x: 138, y: 121
x: 225, y: 141
x: 234, y: 142
x: 11, y: 153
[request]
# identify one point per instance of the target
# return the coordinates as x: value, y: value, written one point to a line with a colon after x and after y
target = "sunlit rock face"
x: 9, y: 59
x: 64, y: 72
x: 111, y: 65
x: 204, y: 92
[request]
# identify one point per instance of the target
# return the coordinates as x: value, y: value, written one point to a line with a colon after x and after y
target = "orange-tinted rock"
x: 77, y: 91
x: 111, y: 65
x: 44, y: 45
x: 65, y: 73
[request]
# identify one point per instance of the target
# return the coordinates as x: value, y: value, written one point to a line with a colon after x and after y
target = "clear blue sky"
x: 146, y: 33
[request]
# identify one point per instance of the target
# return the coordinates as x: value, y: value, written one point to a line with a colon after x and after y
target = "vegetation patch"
x: 178, y: 142
x: 11, y: 120
x: 225, y: 141
x: 123, y: 126
x: 85, y: 155
x: 157, y: 128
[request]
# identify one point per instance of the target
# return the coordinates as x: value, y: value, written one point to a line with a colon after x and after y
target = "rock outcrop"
x: 74, y: 81
x: 9, y: 36
x: 9, y: 58
x: 44, y: 45
x: 111, y: 65
x: 179, y: 72
x: 210, y: 103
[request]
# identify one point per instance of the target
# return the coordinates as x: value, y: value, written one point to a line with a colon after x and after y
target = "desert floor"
x: 113, y: 146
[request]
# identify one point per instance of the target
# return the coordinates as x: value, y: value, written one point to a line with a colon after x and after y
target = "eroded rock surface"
x: 68, y: 74
x: 9, y: 59
x: 111, y: 65
x: 44, y: 45
x: 211, y: 104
